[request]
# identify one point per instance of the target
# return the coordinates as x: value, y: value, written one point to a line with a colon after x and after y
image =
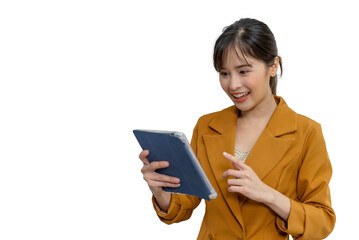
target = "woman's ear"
x: 274, y: 67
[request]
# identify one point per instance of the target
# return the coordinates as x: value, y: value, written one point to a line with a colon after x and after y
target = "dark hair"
x: 253, y: 38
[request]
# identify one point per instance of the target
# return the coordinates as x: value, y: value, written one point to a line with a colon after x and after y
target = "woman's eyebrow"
x: 239, y: 66
x: 243, y: 65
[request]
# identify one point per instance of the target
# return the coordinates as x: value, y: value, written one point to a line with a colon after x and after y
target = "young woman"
x: 276, y: 183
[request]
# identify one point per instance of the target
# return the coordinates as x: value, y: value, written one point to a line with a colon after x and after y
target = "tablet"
x: 174, y: 147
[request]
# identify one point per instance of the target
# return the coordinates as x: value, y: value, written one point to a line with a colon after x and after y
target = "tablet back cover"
x: 168, y: 147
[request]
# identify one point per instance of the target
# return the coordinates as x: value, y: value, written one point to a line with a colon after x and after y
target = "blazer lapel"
x: 271, y: 146
x: 223, y: 141
x: 267, y: 152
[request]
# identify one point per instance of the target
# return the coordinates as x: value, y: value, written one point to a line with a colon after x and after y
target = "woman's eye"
x: 242, y: 72
x: 224, y: 74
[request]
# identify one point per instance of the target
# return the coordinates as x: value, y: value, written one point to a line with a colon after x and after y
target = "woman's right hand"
x: 156, y: 181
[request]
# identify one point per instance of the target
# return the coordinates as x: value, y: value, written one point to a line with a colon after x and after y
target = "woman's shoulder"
x: 307, y: 126
x: 306, y: 121
x: 302, y: 121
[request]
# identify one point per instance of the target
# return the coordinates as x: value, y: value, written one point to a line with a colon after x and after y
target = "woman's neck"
x: 262, y: 112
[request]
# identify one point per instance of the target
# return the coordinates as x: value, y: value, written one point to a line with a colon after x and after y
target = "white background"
x: 76, y: 77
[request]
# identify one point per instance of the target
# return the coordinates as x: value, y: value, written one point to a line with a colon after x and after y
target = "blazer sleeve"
x: 181, y: 206
x: 311, y: 215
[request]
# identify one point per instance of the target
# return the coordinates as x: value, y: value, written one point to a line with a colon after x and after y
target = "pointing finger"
x: 236, y: 163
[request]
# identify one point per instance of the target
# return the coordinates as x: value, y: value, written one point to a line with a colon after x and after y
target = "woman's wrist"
x: 278, y: 202
x: 270, y: 196
x: 163, y: 200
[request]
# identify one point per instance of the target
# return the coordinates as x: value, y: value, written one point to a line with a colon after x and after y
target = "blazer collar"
x: 283, y: 120
x: 225, y: 120
x: 276, y: 125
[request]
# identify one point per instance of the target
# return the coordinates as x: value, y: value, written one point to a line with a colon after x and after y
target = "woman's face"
x: 247, y: 84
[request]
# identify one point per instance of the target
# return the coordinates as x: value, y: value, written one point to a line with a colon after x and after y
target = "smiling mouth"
x: 240, y: 95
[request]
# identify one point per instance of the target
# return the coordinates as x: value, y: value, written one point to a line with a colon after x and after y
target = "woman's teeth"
x: 240, y: 95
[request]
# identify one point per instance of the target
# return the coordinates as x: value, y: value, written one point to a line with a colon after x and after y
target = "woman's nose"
x: 235, y: 83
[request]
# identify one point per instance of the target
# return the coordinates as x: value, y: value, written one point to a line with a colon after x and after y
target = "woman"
x: 276, y: 185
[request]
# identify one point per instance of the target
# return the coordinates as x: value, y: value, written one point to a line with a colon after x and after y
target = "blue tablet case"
x: 183, y: 164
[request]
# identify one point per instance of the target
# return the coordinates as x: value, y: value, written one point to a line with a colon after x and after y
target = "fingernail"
x: 225, y: 154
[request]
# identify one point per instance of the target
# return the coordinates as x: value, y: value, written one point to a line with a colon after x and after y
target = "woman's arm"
x: 247, y: 183
x: 156, y: 181
x: 170, y: 207
x: 311, y: 215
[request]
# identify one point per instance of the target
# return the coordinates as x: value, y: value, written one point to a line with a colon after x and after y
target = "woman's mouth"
x: 240, y: 97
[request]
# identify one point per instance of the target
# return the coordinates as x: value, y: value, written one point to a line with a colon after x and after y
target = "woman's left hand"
x: 246, y: 181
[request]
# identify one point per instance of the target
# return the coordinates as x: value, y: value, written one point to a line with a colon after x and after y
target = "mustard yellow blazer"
x: 289, y: 156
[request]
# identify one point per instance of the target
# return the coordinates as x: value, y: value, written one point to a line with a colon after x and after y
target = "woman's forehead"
x: 235, y: 56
